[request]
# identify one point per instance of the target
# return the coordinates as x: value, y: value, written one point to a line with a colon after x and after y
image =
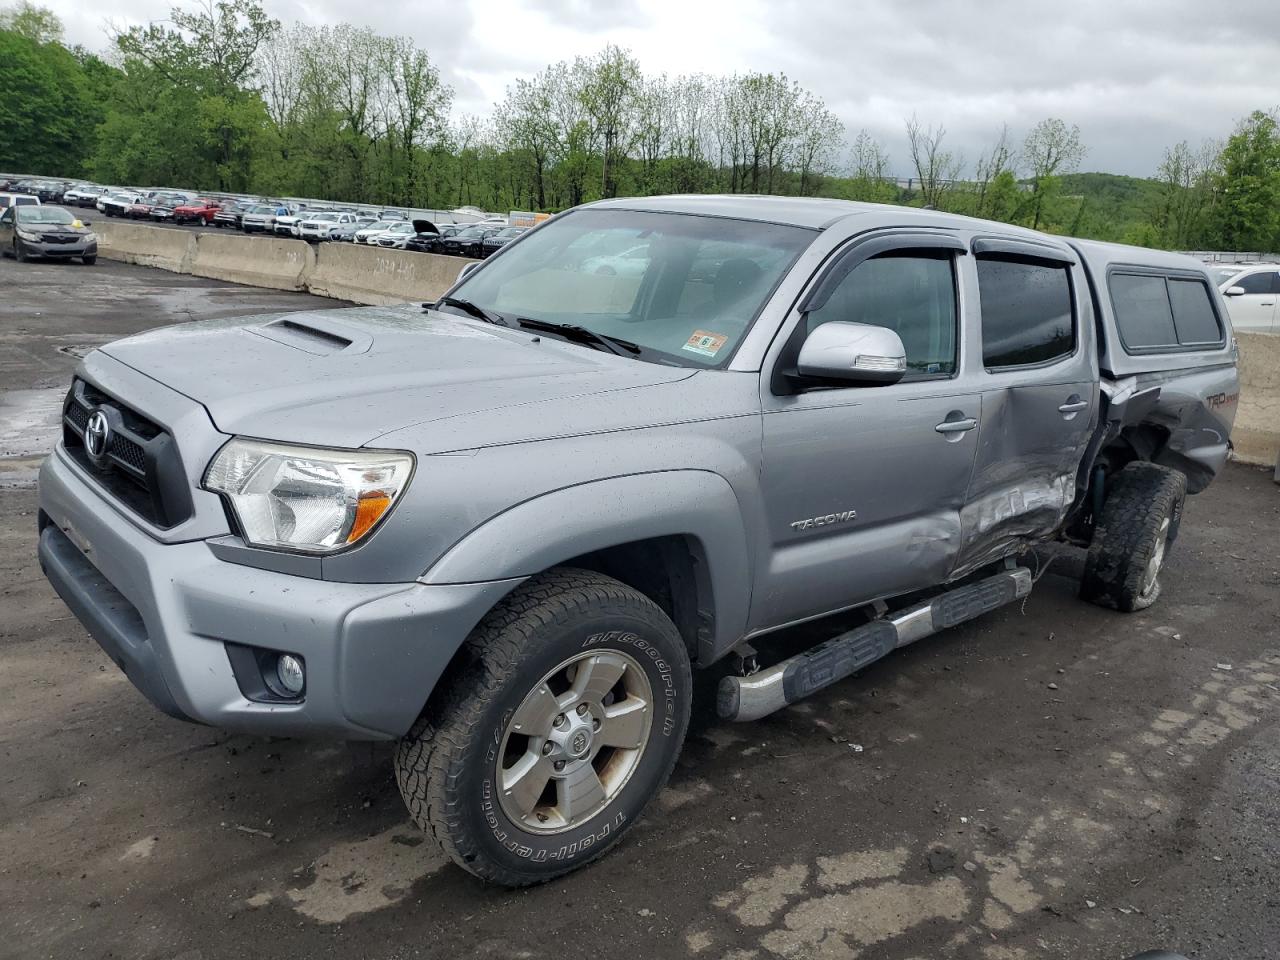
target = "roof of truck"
x: 1102, y: 255
x: 815, y: 213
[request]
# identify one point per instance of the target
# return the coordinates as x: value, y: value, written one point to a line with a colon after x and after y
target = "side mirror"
x: 853, y: 352
x: 466, y: 270
x: 1234, y: 292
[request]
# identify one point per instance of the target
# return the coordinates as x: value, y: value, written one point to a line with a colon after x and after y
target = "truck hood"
x: 346, y: 377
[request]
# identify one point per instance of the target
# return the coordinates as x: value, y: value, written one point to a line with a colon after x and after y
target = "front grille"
x: 59, y: 238
x: 140, y: 467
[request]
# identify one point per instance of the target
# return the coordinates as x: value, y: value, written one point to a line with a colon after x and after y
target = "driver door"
x: 863, y: 485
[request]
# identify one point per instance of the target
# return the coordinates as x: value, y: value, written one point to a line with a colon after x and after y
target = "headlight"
x: 307, y: 499
x: 90, y: 237
x: 28, y: 235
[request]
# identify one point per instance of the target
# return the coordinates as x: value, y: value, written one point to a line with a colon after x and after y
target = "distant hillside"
x: 1108, y: 206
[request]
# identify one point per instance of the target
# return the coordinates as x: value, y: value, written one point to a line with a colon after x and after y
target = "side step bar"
x: 756, y: 696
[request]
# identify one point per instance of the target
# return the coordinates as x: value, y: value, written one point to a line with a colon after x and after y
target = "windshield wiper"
x: 467, y: 307
x: 589, y: 338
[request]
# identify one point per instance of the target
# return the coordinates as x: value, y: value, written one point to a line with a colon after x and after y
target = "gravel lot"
x: 1049, y: 781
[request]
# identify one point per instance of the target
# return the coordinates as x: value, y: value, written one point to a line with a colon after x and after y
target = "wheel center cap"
x: 579, y: 744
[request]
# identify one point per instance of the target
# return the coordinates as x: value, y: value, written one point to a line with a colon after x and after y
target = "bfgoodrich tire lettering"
x: 448, y: 766
x: 1139, y: 523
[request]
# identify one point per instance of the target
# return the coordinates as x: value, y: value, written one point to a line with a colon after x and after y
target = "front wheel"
x: 90, y: 260
x: 1137, y: 526
x: 19, y: 251
x: 546, y: 746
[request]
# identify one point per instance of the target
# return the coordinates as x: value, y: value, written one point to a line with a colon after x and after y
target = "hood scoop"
x: 320, y: 337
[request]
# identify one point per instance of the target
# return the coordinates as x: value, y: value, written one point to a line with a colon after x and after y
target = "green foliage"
x: 46, y: 109
x: 1248, y: 210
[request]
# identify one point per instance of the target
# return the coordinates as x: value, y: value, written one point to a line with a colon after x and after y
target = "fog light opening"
x: 291, y: 673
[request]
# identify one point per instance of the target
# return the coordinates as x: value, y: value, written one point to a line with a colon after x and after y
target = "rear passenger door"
x: 1039, y: 395
x: 1254, y: 311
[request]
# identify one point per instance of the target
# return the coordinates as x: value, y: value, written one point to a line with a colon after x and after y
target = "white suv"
x: 1252, y: 294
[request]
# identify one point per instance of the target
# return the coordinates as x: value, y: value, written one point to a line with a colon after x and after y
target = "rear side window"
x: 1163, y: 313
x: 1193, y: 316
x: 1027, y: 312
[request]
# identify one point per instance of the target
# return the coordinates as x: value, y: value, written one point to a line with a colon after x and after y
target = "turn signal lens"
x: 369, y: 510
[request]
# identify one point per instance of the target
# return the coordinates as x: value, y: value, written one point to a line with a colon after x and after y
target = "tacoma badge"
x: 842, y: 517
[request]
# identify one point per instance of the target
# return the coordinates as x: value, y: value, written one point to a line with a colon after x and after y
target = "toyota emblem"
x: 97, y: 438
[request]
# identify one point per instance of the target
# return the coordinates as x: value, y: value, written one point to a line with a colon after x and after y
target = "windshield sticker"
x: 705, y: 344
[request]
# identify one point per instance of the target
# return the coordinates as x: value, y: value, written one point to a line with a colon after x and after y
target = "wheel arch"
x: 677, y: 536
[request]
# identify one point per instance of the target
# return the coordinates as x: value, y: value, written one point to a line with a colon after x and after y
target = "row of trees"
x: 222, y: 97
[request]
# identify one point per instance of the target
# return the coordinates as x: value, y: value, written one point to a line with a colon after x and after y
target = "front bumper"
x: 39, y: 248
x: 166, y: 613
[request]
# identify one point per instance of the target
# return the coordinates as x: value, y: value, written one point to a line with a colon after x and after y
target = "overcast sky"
x: 1135, y: 76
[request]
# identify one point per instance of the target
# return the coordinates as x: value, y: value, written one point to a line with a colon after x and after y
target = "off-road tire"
x: 1130, y: 533
x: 446, y: 765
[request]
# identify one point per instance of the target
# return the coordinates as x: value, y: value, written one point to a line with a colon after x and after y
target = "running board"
x: 756, y: 696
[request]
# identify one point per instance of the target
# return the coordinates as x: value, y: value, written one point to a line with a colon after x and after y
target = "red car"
x: 201, y: 211
x: 140, y: 210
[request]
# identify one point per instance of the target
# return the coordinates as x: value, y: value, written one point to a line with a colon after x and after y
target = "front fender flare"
x: 554, y: 527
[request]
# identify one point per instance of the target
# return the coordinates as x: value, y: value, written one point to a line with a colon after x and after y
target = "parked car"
x: 201, y: 210
x: 324, y: 225
x: 40, y: 230
x: 164, y: 205
x: 1252, y: 293
x: 231, y: 214
x: 50, y: 191
x: 82, y: 194
x: 630, y: 262
x: 262, y: 218
x: 502, y: 532
x: 468, y: 242
x: 396, y: 235
x: 425, y: 236
x: 497, y: 241
x: 140, y: 210
x: 367, y: 234
x: 17, y: 200
x: 118, y: 204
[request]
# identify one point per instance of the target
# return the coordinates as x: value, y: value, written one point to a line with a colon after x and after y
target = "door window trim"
x: 842, y: 263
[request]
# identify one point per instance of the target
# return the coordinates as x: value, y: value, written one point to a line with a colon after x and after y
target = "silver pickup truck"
x: 646, y: 435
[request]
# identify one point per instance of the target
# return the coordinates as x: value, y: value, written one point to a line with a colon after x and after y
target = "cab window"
x: 911, y: 293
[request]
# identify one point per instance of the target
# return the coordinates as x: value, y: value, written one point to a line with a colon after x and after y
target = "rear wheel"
x: 542, y: 750
x: 1138, y: 525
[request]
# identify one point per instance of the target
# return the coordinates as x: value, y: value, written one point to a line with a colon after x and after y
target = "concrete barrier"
x: 272, y: 262
x: 378, y: 275
x: 171, y: 250
x: 1256, y: 435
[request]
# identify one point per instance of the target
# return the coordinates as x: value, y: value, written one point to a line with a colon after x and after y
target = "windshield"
x: 46, y: 215
x: 402, y: 228
x: 379, y: 225
x: 1222, y: 274
x: 511, y: 232
x: 688, y: 299
x: 323, y: 216
x: 264, y: 210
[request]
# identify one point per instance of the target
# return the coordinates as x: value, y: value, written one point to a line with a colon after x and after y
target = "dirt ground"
x: 1050, y: 781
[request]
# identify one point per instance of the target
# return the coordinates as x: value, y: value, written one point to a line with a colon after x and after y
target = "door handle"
x: 1073, y: 406
x: 956, y: 426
